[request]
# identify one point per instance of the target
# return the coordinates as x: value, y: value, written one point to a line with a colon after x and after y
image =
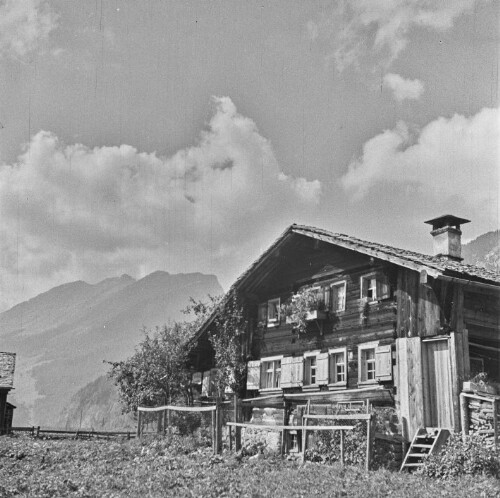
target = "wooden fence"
x: 164, y: 424
x: 37, y: 431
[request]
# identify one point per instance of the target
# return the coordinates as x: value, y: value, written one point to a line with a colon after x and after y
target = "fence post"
x: 342, y: 446
x: 495, y: 422
x: 38, y: 431
x: 237, y: 430
x: 218, y: 430
x: 369, y: 441
x: 283, y: 446
x: 158, y: 422
x: 139, y: 417
x: 214, y: 423
x: 464, y: 415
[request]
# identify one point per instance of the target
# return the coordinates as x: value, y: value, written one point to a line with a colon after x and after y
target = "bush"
x: 326, y: 446
x: 470, y: 456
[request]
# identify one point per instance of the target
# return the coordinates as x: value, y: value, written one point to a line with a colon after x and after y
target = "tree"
x: 157, y: 371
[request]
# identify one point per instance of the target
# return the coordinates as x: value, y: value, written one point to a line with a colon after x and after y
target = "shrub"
x: 326, y: 446
x: 470, y: 456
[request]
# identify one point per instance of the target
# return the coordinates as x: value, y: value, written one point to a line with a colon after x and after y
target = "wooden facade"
x: 7, y: 367
x: 407, y: 332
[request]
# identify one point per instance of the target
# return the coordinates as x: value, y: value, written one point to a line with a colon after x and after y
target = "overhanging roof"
x: 434, y: 266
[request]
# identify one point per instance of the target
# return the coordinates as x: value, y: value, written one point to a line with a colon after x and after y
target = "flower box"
x: 316, y: 315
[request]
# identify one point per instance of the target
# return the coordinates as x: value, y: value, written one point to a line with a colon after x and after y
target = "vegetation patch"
x: 178, y: 466
x: 473, y: 455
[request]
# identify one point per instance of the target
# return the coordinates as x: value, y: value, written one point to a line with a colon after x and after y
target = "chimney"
x: 447, y: 236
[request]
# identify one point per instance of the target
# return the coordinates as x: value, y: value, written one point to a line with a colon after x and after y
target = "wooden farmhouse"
x: 7, y: 366
x: 389, y: 327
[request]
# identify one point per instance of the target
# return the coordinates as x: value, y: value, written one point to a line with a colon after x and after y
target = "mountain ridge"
x: 62, y: 336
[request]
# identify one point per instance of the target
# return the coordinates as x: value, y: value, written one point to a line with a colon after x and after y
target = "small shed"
x: 7, y: 367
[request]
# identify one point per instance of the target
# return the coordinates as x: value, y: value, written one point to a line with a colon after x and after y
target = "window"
x: 374, y: 287
x: 367, y: 362
x: 338, y: 293
x: 338, y: 366
x: 271, y: 373
x: 269, y: 313
x: 310, y: 374
x: 313, y: 368
x: 273, y: 312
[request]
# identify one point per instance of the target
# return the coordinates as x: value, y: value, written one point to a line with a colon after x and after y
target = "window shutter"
x: 322, y: 376
x: 205, y: 386
x: 286, y: 373
x: 292, y: 371
x: 253, y: 375
x: 327, y: 298
x: 262, y: 313
x: 364, y: 287
x: 382, y: 289
x: 196, y: 379
x: 335, y: 298
x: 383, y: 363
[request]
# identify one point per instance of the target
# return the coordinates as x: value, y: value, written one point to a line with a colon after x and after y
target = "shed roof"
x: 7, y: 367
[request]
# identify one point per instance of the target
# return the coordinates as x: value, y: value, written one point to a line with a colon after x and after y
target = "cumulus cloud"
x: 403, y: 88
x: 23, y: 25
x: 71, y: 211
x: 382, y: 27
x: 456, y: 156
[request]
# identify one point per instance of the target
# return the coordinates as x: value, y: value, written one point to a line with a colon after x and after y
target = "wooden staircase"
x: 427, y: 441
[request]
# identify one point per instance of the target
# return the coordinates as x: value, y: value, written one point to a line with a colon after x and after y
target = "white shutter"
x: 298, y: 372
x: 286, y: 371
x: 253, y: 375
x: 292, y: 371
x: 383, y: 363
x: 205, y: 386
x: 322, y: 361
x: 382, y: 289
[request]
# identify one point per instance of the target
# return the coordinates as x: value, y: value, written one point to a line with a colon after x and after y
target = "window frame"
x: 273, y: 322
x: 339, y: 283
x: 275, y: 371
x: 333, y: 383
x: 306, y: 381
x: 378, y: 278
x: 362, y: 370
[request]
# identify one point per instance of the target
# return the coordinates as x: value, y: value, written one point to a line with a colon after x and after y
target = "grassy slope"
x: 31, y: 467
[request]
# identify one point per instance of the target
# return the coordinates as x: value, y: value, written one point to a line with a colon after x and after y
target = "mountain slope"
x: 484, y: 251
x: 63, y: 337
x: 96, y: 406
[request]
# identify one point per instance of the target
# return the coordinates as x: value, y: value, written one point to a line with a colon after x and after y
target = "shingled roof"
x: 435, y: 266
x: 7, y: 367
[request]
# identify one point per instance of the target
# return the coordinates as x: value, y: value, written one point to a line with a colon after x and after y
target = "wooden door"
x: 436, y: 369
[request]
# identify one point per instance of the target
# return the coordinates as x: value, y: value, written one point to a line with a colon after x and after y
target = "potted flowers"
x: 303, y: 307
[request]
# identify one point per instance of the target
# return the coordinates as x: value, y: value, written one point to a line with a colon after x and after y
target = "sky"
x: 188, y: 135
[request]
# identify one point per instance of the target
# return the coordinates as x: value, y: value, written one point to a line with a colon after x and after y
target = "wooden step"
x: 429, y: 440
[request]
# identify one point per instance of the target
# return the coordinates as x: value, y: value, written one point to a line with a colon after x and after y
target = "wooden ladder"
x: 427, y: 441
